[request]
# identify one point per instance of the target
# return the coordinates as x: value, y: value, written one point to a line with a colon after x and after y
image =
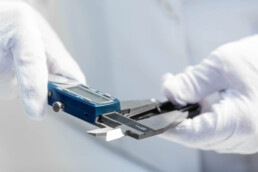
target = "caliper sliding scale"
x: 138, y: 119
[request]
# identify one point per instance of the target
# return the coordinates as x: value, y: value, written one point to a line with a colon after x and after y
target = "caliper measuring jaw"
x: 143, y: 121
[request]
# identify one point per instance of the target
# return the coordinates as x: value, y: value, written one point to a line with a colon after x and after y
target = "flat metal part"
x: 110, y: 133
x: 100, y: 131
x: 114, y: 134
x: 142, y: 119
x: 131, y: 104
x: 165, y: 120
x: 158, y: 124
x: 145, y: 108
x: 116, y: 119
x: 142, y: 128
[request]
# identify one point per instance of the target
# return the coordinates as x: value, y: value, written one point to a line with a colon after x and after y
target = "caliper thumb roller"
x: 138, y: 119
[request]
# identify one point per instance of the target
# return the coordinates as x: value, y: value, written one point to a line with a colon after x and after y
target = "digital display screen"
x: 89, y: 94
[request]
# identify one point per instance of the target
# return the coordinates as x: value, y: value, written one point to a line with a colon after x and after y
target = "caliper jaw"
x: 142, y: 122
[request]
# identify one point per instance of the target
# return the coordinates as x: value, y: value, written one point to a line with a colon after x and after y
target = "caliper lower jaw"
x: 139, y: 129
x: 108, y: 132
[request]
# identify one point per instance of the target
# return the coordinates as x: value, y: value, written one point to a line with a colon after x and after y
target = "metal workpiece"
x: 159, y: 124
x: 144, y: 121
x: 148, y: 127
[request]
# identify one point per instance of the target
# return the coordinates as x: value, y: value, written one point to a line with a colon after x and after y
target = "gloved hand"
x: 232, y: 124
x: 29, y: 50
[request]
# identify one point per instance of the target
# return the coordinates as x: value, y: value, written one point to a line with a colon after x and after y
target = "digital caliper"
x: 115, y: 119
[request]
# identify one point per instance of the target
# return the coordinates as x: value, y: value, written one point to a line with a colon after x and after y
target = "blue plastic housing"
x: 78, y: 106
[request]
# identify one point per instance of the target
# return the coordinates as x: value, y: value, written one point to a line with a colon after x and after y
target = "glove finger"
x: 30, y: 64
x: 195, y: 83
x: 244, y: 147
x: 167, y: 76
x: 8, y: 81
x: 194, y: 132
x: 59, y: 60
x: 208, y: 130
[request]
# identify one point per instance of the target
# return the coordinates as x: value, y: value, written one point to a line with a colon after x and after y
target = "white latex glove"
x: 29, y: 50
x: 232, y: 124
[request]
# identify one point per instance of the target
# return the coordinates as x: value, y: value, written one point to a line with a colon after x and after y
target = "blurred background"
x: 124, y: 48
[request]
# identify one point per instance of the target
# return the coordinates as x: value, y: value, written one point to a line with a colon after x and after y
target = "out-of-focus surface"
x: 59, y: 143
x: 53, y: 145
x: 124, y: 47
